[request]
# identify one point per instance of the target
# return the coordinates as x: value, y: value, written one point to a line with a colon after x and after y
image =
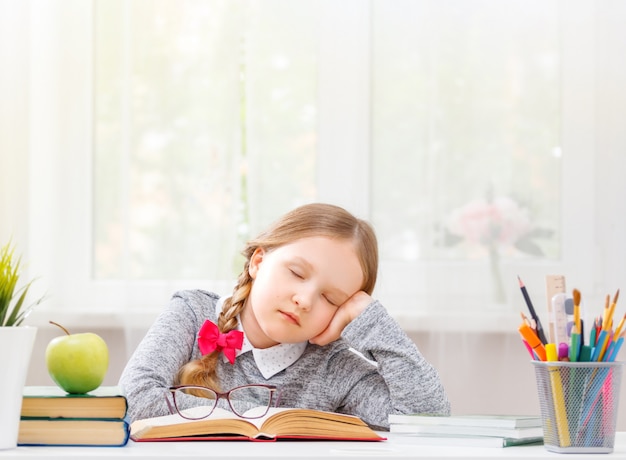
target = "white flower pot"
x: 16, y: 345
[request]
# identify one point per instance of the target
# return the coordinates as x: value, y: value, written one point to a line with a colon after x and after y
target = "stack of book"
x: 50, y: 416
x: 469, y: 430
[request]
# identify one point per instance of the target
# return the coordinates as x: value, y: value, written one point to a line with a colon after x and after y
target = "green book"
x: 73, y: 432
x: 105, y: 402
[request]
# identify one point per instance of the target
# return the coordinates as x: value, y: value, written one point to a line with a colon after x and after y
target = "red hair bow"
x: 210, y: 339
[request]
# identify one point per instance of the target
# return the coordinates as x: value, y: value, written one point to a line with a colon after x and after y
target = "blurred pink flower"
x: 500, y: 221
x: 497, y: 225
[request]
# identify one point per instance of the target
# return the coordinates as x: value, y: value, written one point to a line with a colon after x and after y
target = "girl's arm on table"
x: 168, y: 344
x: 411, y: 383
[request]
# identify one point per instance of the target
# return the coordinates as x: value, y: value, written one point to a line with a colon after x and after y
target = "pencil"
x: 606, y: 310
x: 608, y: 324
x: 531, y: 309
x: 618, y: 329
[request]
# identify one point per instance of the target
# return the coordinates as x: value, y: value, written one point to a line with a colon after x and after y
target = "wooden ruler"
x: 555, y: 284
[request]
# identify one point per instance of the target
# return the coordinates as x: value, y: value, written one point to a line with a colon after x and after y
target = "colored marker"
x: 575, y: 345
x: 531, y: 338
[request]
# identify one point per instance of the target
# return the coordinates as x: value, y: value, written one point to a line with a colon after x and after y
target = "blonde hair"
x: 316, y: 219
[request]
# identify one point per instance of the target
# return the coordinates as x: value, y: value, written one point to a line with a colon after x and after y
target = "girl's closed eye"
x: 328, y: 299
x: 295, y: 273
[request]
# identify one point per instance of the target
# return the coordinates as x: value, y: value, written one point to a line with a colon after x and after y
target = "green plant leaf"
x: 18, y: 305
x: 12, y: 310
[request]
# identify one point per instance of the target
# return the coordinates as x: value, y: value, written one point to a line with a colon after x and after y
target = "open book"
x: 278, y: 423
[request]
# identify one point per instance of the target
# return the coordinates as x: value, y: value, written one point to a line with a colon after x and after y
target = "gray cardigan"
x: 331, y: 377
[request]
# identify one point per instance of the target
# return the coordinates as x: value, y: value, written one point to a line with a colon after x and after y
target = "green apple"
x: 77, y: 362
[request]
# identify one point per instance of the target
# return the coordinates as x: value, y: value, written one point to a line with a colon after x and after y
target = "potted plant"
x: 16, y: 342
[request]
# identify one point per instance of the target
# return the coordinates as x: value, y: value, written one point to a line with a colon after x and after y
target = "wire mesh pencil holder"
x: 579, y: 402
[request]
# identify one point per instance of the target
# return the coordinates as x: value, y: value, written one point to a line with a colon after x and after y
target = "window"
x: 466, y: 144
x: 162, y: 134
x: 205, y: 116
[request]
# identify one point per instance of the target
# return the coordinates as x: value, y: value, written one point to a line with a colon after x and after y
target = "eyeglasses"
x: 240, y: 400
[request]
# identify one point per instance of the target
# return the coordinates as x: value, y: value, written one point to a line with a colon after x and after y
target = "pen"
x: 533, y: 314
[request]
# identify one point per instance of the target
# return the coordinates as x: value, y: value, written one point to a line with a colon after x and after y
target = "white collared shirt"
x: 272, y: 360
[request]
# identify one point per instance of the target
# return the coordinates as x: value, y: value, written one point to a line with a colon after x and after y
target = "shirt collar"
x: 272, y: 360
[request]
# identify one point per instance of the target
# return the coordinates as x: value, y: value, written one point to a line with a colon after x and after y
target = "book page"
x: 278, y: 421
x: 310, y: 422
x: 221, y: 421
x: 217, y: 414
x: 255, y: 411
x: 299, y: 412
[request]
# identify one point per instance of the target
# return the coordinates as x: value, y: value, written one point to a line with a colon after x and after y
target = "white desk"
x: 396, y: 446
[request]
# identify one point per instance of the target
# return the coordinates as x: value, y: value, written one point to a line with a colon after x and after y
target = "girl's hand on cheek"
x: 346, y: 312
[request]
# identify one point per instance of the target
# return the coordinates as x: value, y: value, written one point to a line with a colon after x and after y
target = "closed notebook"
x: 52, y: 402
x: 514, y: 433
x: 278, y: 423
x: 470, y: 441
x: 494, y: 421
x: 73, y: 432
